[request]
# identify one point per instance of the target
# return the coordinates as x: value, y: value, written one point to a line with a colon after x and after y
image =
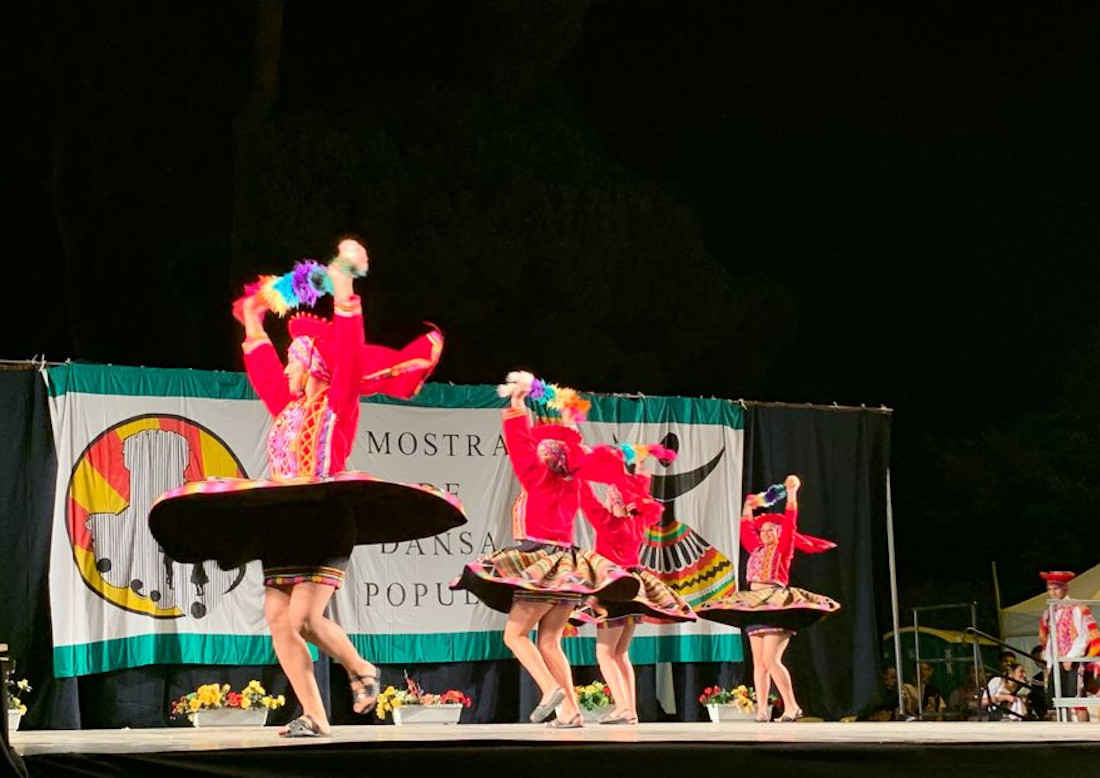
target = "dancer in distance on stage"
x: 539, y: 582
x: 772, y: 610
x: 620, y: 521
x: 305, y: 521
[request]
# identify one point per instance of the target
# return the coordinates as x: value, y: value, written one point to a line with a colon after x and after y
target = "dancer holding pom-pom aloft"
x: 540, y: 581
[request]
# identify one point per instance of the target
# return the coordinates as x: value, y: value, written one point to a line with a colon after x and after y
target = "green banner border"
x: 73, y: 377
x: 393, y: 649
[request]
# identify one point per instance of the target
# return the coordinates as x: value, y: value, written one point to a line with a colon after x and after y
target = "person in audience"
x: 933, y: 704
x: 963, y: 703
x: 1006, y: 695
x: 1038, y: 699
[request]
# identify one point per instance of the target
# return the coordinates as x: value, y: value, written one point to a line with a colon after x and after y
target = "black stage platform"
x: 923, y: 749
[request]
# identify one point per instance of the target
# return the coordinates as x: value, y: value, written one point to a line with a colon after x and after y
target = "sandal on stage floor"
x: 543, y: 710
x: 303, y: 726
x: 792, y: 717
x: 611, y: 718
x: 762, y: 717
x: 369, y: 689
x: 574, y: 723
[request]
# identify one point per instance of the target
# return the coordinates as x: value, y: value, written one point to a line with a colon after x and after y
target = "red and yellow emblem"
x: 105, y: 483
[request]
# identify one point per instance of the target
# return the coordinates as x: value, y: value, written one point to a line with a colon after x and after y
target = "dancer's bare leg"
x: 760, y: 677
x: 626, y: 669
x: 551, y: 629
x: 607, y: 643
x: 293, y: 653
x: 308, y: 602
x: 522, y: 618
x: 774, y: 646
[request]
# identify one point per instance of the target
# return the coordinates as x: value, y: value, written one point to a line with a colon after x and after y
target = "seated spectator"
x: 1006, y: 695
x: 886, y: 709
x: 963, y: 704
x: 932, y: 702
x: 1037, y: 699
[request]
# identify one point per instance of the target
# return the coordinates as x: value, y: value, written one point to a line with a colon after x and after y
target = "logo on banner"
x: 114, y: 484
x: 677, y: 553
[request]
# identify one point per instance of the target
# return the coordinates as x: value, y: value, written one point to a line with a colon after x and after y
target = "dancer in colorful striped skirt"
x: 305, y: 520
x: 772, y: 611
x: 620, y: 520
x: 539, y: 582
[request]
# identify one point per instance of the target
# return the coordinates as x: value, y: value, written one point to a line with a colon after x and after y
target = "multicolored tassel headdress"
x: 546, y: 397
x: 306, y: 283
x: 633, y: 454
x: 774, y: 494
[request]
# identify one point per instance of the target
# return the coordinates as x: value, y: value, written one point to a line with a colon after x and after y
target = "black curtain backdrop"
x: 842, y: 457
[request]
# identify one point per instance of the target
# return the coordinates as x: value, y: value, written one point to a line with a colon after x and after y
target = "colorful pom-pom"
x: 774, y: 494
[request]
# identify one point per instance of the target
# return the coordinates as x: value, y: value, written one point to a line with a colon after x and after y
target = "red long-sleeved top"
x: 547, y: 508
x: 311, y: 437
x: 619, y: 538
x: 770, y: 564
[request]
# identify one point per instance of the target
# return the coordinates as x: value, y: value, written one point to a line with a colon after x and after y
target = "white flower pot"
x: 14, y: 717
x: 729, y: 712
x: 594, y: 715
x: 230, y: 717
x: 427, y: 714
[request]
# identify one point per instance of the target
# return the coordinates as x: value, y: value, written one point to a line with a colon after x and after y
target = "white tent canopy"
x: 1020, y: 622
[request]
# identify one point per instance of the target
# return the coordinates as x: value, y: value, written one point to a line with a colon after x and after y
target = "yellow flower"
x: 246, y: 702
x: 194, y: 704
x: 280, y: 701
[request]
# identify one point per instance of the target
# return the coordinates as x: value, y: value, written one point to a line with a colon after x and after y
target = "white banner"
x: 124, y: 435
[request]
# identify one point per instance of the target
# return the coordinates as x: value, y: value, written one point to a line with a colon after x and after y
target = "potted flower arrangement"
x: 736, y: 704
x: 594, y: 700
x: 16, y: 708
x: 217, y: 705
x: 412, y: 705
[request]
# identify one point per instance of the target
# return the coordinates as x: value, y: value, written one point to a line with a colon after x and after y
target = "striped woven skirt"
x: 544, y: 571
x: 784, y: 607
x: 655, y: 600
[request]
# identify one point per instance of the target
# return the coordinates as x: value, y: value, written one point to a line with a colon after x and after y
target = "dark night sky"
x: 914, y: 188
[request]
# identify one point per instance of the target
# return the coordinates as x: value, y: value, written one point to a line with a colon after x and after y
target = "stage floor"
x: 147, y: 741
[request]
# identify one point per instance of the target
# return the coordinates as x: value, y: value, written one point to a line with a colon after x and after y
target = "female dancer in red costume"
x: 620, y: 522
x: 771, y: 611
x: 315, y: 402
x: 542, y: 580
x: 304, y: 520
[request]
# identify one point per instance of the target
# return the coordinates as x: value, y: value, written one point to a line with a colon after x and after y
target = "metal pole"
x: 997, y: 600
x: 1055, y: 668
x: 978, y: 685
x: 893, y: 587
x: 916, y: 666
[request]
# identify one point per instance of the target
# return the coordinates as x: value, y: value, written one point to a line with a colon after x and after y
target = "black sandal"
x: 369, y: 689
x: 303, y: 726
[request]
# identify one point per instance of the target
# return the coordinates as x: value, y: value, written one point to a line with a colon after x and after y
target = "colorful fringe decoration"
x: 303, y: 286
x: 567, y: 402
x: 633, y: 454
x: 774, y: 494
